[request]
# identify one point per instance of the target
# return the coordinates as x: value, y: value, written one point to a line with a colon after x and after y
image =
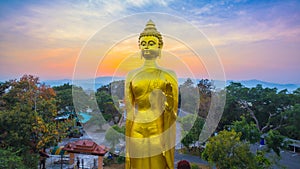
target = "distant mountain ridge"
x: 87, y: 84
x: 100, y: 81
x: 253, y: 82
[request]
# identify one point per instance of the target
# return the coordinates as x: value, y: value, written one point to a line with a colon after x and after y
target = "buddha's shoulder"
x: 169, y: 74
x: 132, y: 74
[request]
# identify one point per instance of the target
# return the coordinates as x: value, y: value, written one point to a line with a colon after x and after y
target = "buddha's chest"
x: 146, y: 82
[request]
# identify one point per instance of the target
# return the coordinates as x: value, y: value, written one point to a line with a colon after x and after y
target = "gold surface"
x: 151, y: 98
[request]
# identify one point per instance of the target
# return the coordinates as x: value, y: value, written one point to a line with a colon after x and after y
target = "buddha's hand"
x: 169, y: 104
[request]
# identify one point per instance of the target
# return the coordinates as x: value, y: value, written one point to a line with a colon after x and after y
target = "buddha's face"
x: 149, y: 47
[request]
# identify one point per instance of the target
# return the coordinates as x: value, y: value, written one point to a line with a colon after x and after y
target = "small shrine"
x: 86, y: 147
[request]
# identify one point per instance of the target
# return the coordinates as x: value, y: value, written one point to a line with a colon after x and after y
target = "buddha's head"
x: 150, y: 41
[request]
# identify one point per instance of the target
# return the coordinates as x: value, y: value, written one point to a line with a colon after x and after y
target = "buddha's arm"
x: 129, y: 103
x: 129, y: 116
x: 171, y: 94
x: 170, y: 116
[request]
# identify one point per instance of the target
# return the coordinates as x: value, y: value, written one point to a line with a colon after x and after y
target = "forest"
x: 28, y: 109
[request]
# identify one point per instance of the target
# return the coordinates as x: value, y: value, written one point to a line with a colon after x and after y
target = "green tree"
x: 275, y: 141
x: 296, y: 96
x: 9, y: 159
x: 102, y: 97
x: 191, y: 126
x: 96, y: 119
x: 64, y: 97
x: 262, y: 161
x: 267, y: 108
x: 226, y: 150
x: 232, y: 110
x: 82, y: 100
x: 117, y: 89
x: 107, y: 106
x: 205, y: 87
x: 27, y: 117
x: 189, y: 97
x: 114, y: 134
x: 249, y: 131
x: 187, y: 121
x: 187, y: 139
x: 292, y: 128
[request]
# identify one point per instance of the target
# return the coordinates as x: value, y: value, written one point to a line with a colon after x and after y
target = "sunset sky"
x: 252, y: 39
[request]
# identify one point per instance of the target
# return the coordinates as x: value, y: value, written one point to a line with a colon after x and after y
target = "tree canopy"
x: 226, y: 150
x: 267, y: 108
x: 28, y: 110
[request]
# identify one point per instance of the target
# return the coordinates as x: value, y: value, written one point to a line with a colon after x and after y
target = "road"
x: 287, y: 159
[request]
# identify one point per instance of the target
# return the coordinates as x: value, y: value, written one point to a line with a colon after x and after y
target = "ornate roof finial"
x: 150, y: 30
x: 150, y: 26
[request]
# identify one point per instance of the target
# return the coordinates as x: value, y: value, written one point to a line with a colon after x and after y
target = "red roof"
x: 86, y: 147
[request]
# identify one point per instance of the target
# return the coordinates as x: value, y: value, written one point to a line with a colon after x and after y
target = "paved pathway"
x: 288, y: 159
x: 189, y: 158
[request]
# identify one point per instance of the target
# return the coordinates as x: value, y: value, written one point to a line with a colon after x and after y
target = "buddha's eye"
x: 151, y: 43
x: 143, y: 43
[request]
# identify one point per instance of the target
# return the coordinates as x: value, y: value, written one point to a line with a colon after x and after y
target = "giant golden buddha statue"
x: 151, y: 98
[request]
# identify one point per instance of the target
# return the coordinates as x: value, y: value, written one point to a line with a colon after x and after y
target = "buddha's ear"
x: 140, y: 53
x: 159, y: 52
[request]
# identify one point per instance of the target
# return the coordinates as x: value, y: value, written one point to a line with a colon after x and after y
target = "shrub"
x: 194, y: 166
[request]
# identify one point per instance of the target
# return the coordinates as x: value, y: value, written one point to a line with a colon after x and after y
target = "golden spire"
x: 150, y: 26
x: 150, y: 30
